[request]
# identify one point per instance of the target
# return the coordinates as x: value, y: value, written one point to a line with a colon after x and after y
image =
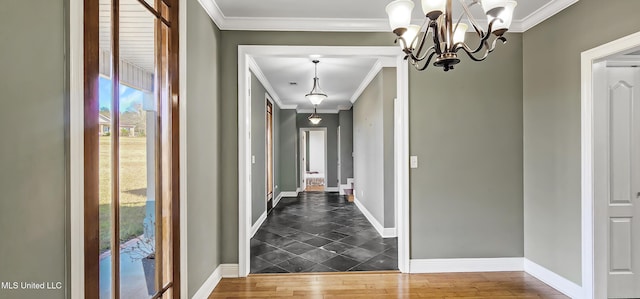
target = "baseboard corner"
x: 554, y: 280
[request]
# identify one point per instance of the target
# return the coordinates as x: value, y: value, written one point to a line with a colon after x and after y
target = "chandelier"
x: 447, y: 36
x: 316, y: 95
x: 314, y: 118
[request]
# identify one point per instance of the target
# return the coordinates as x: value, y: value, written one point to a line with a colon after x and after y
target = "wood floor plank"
x: 502, y: 285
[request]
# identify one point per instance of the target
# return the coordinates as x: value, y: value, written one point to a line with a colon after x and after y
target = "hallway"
x: 320, y: 232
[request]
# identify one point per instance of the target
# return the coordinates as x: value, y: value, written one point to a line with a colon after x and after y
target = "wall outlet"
x: 361, y: 193
x: 253, y: 159
x: 413, y: 160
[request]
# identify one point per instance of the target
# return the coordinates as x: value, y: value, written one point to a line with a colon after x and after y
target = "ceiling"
x: 341, y: 77
x: 352, y: 15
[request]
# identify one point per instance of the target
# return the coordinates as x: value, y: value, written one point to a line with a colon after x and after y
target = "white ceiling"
x: 352, y: 15
x: 340, y: 78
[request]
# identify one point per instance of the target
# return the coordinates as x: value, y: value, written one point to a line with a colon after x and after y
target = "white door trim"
x: 594, y: 282
x: 245, y: 54
x: 76, y: 147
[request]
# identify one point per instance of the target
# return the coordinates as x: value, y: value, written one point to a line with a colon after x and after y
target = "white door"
x: 623, y: 219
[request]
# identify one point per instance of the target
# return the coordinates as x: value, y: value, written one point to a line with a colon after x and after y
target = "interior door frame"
x: 303, y: 154
x: 246, y: 62
x: 594, y: 267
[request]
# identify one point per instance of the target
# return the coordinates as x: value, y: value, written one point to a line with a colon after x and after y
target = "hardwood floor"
x: 315, y: 188
x: 386, y: 285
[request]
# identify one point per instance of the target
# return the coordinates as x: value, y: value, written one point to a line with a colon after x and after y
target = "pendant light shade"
x: 314, y: 118
x: 316, y: 95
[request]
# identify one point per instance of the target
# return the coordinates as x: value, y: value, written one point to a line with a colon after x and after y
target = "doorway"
x: 610, y: 169
x: 313, y: 159
x: 246, y: 63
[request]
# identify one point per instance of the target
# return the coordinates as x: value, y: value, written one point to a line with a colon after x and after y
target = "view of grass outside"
x: 133, y: 165
x: 133, y: 188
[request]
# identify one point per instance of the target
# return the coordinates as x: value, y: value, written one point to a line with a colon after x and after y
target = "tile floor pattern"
x: 320, y: 232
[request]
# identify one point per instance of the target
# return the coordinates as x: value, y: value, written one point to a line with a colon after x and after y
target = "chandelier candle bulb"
x: 399, y: 12
x: 433, y: 8
x: 505, y: 18
x: 459, y: 34
x: 411, y: 37
x: 493, y: 7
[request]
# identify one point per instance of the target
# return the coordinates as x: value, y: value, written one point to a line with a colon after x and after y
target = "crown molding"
x: 545, y: 12
x: 365, y: 82
x: 319, y: 111
x: 214, y: 12
x: 353, y: 25
x: 305, y: 24
x: 253, y: 66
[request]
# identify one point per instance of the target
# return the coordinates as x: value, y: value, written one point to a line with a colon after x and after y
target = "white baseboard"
x: 277, y: 199
x: 256, y: 226
x: 331, y: 189
x: 207, y: 287
x: 298, y: 190
x: 554, y: 280
x: 229, y: 270
x: 384, y: 232
x: 223, y: 271
x: 466, y: 265
x: 289, y: 194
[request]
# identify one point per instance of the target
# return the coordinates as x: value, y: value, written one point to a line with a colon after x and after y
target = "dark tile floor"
x: 320, y: 232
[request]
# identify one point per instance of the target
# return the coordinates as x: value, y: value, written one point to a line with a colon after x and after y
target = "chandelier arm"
x: 473, y: 21
x: 483, y: 40
x: 426, y: 64
x: 488, y: 49
x: 426, y: 54
x: 424, y: 35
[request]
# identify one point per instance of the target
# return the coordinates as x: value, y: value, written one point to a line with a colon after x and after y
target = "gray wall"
x: 288, y: 151
x: 203, y: 146
x: 345, y: 120
x: 466, y: 129
x: 389, y: 93
x: 329, y: 121
x: 34, y: 156
x: 368, y: 148
x: 552, y: 127
x: 472, y: 130
x: 373, y: 147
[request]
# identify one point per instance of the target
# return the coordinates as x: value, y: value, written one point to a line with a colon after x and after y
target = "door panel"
x: 623, y: 205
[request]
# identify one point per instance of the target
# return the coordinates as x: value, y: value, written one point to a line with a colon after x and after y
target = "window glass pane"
x: 105, y: 119
x: 137, y: 151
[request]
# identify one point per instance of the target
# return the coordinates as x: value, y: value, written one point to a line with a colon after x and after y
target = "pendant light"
x: 316, y: 95
x: 314, y: 118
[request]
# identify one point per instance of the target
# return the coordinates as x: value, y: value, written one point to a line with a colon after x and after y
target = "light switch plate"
x: 413, y: 161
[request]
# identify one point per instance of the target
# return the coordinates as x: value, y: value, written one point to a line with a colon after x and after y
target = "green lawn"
x: 133, y: 184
